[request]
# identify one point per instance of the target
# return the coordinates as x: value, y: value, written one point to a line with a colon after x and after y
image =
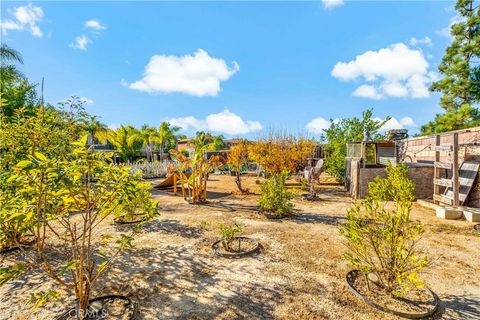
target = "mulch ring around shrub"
x: 106, y: 307
x: 476, y: 227
x: 310, y: 197
x: 417, y: 304
x: 27, y: 242
x: 239, y: 247
x: 134, y: 218
x: 275, y: 216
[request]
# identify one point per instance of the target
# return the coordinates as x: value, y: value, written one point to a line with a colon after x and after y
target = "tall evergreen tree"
x: 460, y: 67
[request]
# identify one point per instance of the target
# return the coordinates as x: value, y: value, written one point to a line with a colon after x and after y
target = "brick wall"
x: 421, y: 176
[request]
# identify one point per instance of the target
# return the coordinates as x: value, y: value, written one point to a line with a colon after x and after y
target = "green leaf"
x: 102, y: 266
x: 40, y: 156
x: 24, y: 164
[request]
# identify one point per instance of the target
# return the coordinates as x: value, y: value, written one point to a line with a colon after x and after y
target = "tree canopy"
x: 460, y: 85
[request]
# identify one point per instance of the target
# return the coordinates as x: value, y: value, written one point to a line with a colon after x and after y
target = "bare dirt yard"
x: 300, y: 273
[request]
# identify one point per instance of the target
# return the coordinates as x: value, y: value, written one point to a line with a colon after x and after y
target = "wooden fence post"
x: 436, y: 170
x: 455, y: 178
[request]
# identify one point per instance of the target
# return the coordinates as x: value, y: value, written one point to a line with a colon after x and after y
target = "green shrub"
x: 383, y: 241
x: 344, y: 131
x: 228, y: 234
x: 275, y: 198
x: 132, y: 206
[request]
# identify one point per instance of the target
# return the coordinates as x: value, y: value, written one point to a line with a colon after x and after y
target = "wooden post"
x: 175, y: 183
x: 436, y: 170
x: 363, y: 154
x: 455, y: 178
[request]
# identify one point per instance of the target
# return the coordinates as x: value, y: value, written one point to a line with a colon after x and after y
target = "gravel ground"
x: 300, y: 274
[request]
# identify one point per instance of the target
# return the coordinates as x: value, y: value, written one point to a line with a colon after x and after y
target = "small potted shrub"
x: 382, y: 243
x: 231, y: 245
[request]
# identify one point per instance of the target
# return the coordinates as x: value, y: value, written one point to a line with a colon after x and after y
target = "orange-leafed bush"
x: 280, y: 152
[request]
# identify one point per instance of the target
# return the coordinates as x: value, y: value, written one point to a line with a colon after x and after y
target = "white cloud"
x: 80, y: 42
x: 94, y: 25
x: 445, y: 32
x: 367, y: 91
x: 394, y: 89
x: 394, y: 71
x: 24, y: 18
x: 419, y: 42
x: 317, y: 125
x: 330, y: 4
x: 223, y: 122
x: 113, y: 126
x: 187, y: 123
x: 393, y: 123
x: 197, y: 74
x: 86, y: 100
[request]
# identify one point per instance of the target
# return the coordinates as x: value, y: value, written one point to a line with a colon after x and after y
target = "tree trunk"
x: 238, y: 181
x: 162, y: 146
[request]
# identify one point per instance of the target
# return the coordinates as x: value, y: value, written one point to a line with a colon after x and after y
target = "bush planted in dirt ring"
x: 52, y: 188
x: 101, y: 313
x: 235, y: 254
x: 383, y: 241
x: 275, y: 199
x: 353, y: 274
x: 136, y: 207
x: 279, y: 154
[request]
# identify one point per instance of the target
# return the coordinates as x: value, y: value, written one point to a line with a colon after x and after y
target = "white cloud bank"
x: 197, y: 74
x: 80, y: 42
x: 94, y: 25
x: 317, y: 125
x: 420, y: 42
x: 393, y: 123
x: 395, y: 71
x: 223, y: 122
x: 24, y: 18
x: 330, y: 4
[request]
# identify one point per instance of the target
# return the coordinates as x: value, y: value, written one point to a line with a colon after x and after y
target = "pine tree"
x: 460, y: 86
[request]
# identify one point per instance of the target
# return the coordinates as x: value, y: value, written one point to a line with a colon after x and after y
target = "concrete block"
x: 471, y: 214
x: 449, y: 213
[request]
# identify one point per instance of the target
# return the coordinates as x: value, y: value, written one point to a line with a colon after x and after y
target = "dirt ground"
x: 300, y: 274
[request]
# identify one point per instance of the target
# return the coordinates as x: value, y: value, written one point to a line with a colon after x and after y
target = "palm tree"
x: 97, y: 130
x: 148, y: 135
x: 125, y: 139
x: 167, y: 135
x: 9, y: 54
x: 217, y: 143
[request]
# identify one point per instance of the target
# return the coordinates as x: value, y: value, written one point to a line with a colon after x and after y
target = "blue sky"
x: 235, y: 68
